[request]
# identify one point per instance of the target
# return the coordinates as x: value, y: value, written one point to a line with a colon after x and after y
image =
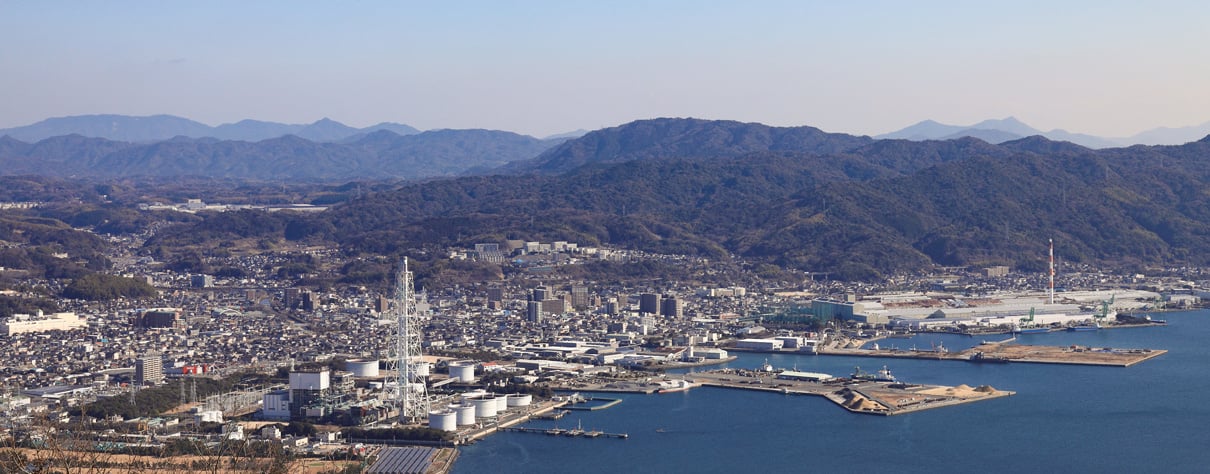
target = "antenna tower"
x: 1052, y: 271
x: 409, y: 382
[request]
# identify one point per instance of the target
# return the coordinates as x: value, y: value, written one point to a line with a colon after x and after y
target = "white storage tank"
x: 463, y: 371
x: 423, y: 369
x: 501, y: 403
x: 466, y: 415
x: 362, y: 367
x: 474, y: 394
x: 444, y: 420
x: 520, y: 400
x: 485, y: 406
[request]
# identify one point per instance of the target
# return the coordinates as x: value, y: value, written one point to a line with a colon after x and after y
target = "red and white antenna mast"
x: 1052, y: 271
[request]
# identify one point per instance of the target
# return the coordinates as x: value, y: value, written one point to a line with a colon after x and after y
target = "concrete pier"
x: 609, y: 402
x: 863, y: 397
x: 1002, y: 351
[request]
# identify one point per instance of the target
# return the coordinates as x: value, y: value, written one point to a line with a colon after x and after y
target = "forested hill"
x: 685, y: 138
x: 880, y: 208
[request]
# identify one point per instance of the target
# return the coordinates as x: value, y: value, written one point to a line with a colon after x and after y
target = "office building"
x: 649, y: 303
x: 149, y: 369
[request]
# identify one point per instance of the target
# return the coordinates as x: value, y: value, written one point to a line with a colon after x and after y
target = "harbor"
x: 877, y: 393
x: 696, y: 430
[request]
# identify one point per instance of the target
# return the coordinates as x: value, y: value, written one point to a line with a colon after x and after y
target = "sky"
x: 1108, y: 68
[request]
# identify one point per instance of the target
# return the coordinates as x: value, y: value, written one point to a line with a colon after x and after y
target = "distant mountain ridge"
x: 1006, y: 129
x: 380, y: 154
x: 143, y: 129
x: 379, y: 151
x: 163, y: 127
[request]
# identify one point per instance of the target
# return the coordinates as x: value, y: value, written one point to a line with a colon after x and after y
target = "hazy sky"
x: 1102, y: 67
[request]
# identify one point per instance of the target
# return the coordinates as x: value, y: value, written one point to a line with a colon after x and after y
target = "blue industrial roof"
x: 404, y: 460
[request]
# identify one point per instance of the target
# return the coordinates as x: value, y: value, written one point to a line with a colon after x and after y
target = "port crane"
x: 1029, y: 319
x: 1105, y: 308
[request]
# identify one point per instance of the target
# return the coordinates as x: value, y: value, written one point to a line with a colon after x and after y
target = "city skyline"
x: 543, y: 68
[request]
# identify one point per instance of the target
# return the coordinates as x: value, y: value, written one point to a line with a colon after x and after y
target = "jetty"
x: 571, y: 433
x: 574, y: 403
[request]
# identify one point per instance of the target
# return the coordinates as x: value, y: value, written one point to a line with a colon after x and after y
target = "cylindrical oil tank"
x: 474, y: 394
x: 501, y: 403
x: 520, y: 400
x: 444, y: 420
x: 485, y: 406
x: 466, y: 415
x: 463, y: 371
x: 362, y: 367
x: 423, y: 369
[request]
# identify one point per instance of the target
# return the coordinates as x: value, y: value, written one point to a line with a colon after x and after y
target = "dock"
x: 609, y: 402
x: 573, y: 433
x: 862, y: 397
x: 1073, y: 355
x: 552, y: 415
x: 1007, y: 352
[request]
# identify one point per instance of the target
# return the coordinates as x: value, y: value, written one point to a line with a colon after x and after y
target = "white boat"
x: 672, y: 386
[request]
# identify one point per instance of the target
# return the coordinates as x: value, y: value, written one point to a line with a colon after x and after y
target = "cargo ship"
x: 883, y: 375
x: 986, y: 359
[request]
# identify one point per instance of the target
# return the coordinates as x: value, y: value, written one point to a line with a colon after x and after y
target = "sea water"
x: 1152, y: 417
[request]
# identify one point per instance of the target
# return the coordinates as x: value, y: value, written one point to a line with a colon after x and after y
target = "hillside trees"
x: 101, y: 287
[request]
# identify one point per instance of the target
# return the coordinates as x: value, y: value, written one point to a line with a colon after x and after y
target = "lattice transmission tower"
x: 407, y: 379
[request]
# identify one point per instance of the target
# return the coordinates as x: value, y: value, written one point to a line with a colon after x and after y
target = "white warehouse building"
x: 760, y: 344
x: 25, y: 323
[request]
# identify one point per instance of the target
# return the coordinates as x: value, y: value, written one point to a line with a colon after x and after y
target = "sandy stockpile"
x: 961, y: 391
x: 854, y: 401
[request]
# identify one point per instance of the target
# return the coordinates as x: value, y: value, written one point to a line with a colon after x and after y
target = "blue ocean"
x: 1152, y: 417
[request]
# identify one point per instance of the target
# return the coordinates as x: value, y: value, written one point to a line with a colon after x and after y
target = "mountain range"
x: 164, y: 127
x: 852, y: 207
x: 379, y: 154
x: 1007, y: 129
